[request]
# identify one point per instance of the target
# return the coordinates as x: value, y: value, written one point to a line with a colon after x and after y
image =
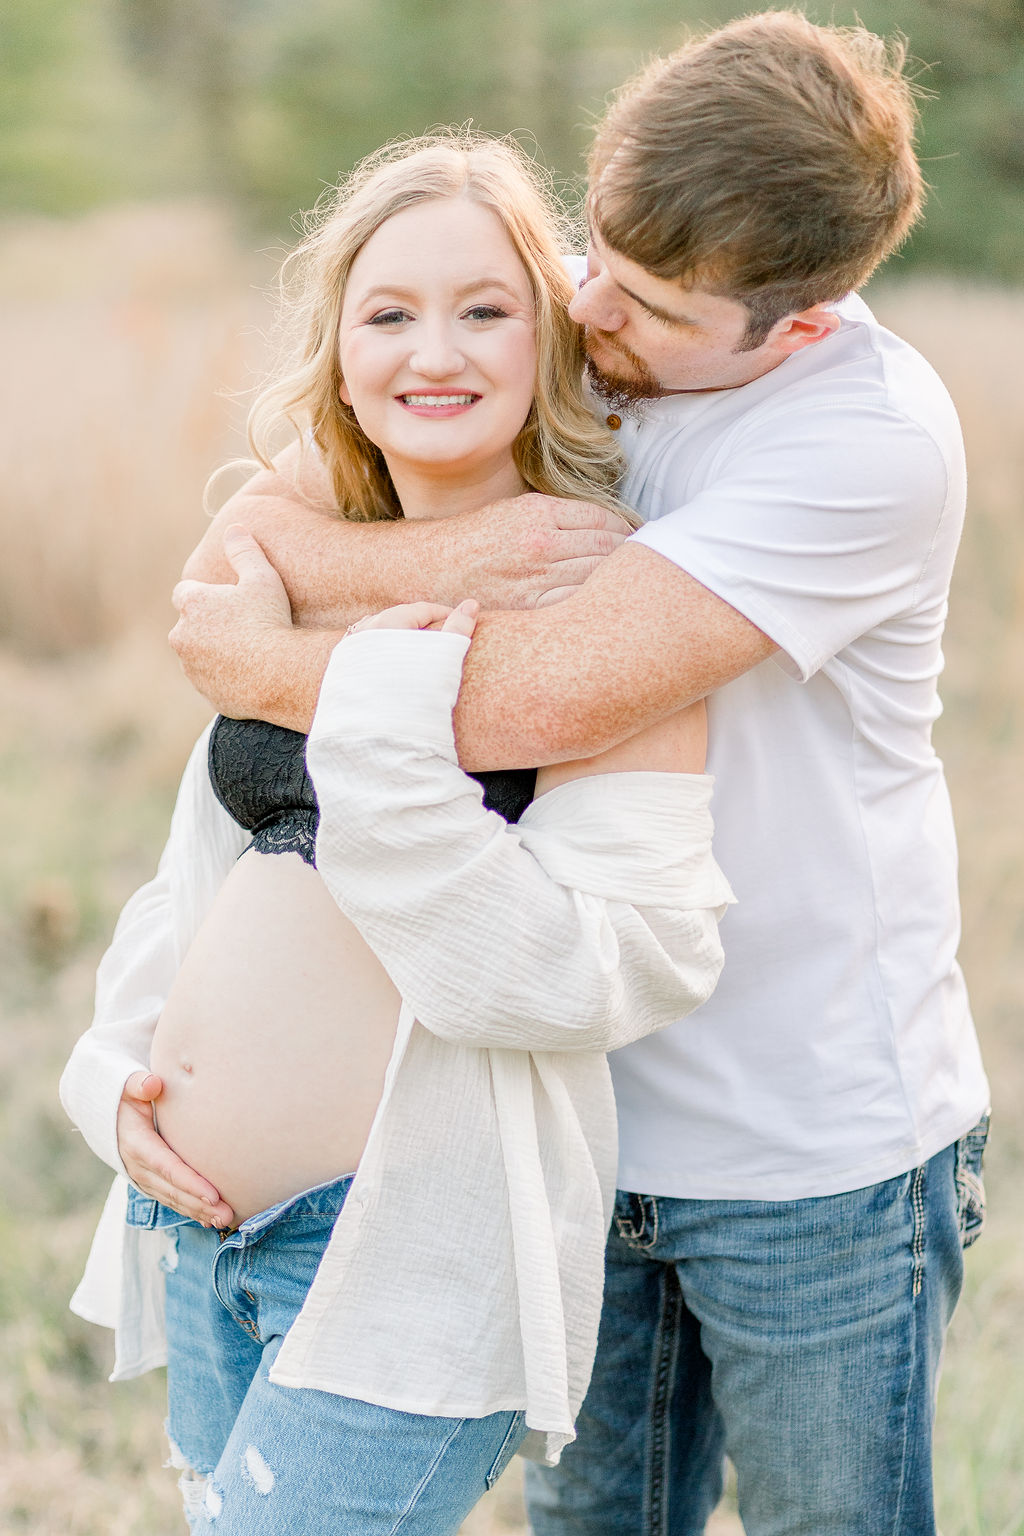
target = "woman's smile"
x: 425, y: 403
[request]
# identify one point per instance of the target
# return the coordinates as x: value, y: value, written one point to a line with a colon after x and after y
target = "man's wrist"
x: 292, y: 676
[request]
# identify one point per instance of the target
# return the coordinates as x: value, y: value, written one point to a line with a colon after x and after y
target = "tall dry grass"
x: 117, y: 334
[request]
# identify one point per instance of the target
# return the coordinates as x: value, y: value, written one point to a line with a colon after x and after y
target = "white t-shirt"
x: 824, y: 501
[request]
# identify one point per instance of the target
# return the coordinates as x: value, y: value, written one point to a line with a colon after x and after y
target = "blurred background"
x: 153, y: 154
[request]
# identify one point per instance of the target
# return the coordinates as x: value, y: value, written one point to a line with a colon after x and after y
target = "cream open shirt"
x: 464, y: 1274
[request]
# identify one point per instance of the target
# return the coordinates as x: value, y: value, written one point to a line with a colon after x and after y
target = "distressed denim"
x: 263, y: 1460
x: 802, y: 1337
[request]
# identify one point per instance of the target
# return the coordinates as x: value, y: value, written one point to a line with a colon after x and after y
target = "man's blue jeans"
x: 802, y: 1337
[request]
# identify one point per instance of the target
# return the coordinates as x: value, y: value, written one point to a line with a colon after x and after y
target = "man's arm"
x: 518, y: 553
x: 639, y: 640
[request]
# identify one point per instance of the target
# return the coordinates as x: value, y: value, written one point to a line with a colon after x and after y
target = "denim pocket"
x: 636, y: 1219
x: 511, y: 1443
x: 970, y: 1185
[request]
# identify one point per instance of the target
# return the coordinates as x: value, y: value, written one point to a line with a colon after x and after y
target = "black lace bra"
x: 258, y: 773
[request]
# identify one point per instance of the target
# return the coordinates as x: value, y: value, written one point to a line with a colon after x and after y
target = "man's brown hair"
x: 771, y: 161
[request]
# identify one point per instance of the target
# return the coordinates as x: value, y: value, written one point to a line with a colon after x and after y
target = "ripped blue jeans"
x: 259, y: 1459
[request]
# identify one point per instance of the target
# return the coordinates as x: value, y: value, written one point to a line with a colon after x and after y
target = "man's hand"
x: 523, y: 552
x: 526, y: 551
x: 153, y: 1167
x: 238, y: 646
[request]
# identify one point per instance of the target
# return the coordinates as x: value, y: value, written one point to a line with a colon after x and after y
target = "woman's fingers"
x: 154, y: 1167
x: 144, y: 1086
x: 403, y: 616
x: 462, y: 620
x: 459, y: 621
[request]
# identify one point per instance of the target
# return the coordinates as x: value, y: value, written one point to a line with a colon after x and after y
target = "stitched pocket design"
x: 970, y: 1184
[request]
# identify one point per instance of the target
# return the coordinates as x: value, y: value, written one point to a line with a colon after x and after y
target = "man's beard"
x: 622, y: 390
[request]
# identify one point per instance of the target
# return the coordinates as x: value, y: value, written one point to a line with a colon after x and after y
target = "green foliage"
x: 266, y: 102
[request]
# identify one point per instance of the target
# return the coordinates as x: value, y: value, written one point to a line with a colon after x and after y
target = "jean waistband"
x: 324, y: 1199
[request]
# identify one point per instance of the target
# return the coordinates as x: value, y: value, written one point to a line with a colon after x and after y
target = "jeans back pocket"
x: 970, y: 1184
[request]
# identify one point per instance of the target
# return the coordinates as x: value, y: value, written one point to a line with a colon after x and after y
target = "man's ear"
x: 805, y: 328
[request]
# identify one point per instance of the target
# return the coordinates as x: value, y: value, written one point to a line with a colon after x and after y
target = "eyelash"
x: 388, y: 317
x: 482, y: 312
x: 489, y: 312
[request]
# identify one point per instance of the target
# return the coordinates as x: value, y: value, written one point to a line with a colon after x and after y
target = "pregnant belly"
x: 275, y: 1038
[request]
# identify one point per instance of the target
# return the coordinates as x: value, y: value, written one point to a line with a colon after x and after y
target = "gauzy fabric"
x: 464, y: 1274
x: 258, y: 772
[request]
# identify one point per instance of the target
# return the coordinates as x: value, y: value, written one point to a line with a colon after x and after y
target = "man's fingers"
x: 587, y: 516
x: 573, y: 570
x: 566, y: 514
x: 554, y: 595
x: 184, y: 590
x: 570, y: 576
x: 245, y: 553
x: 585, y: 543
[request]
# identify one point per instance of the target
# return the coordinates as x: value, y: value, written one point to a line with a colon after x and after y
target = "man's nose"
x: 595, y: 304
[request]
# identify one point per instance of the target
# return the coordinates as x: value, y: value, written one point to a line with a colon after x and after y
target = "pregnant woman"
x: 372, y: 1000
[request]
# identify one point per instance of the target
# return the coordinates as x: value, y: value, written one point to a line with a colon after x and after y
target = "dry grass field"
x: 117, y: 334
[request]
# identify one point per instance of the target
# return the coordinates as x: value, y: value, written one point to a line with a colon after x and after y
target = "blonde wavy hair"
x: 561, y: 449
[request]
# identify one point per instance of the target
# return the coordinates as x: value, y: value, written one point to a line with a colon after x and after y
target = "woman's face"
x: 437, y: 342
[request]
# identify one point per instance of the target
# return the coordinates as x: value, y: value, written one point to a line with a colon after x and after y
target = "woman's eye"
x: 486, y: 312
x: 388, y: 317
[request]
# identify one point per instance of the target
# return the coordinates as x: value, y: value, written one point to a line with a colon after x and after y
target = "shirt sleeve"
x: 573, y: 931
x: 132, y: 982
x: 137, y: 971
x: 819, y: 524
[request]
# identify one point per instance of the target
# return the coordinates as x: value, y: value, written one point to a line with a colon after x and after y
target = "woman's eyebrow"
x: 397, y: 291
x: 388, y: 289
x: 487, y: 281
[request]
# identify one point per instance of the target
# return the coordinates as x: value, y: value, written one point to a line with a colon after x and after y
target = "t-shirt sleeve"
x: 817, y: 525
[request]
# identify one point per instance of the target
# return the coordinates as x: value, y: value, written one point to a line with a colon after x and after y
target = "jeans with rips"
x: 801, y: 1337
x: 258, y: 1459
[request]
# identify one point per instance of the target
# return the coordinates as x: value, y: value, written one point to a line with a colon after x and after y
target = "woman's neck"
x: 430, y: 496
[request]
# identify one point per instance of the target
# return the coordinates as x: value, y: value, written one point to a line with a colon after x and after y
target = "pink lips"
x: 437, y: 403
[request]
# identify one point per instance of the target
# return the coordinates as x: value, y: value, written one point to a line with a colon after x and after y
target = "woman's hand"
x: 450, y: 621
x: 151, y: 1164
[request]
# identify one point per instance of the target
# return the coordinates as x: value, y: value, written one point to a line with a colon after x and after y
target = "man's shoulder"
x: 866, y: 363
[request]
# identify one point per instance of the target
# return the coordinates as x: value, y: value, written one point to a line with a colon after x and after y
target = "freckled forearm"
x: 640, y: 640
x: 333, y: 571
x: 525, y: 699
